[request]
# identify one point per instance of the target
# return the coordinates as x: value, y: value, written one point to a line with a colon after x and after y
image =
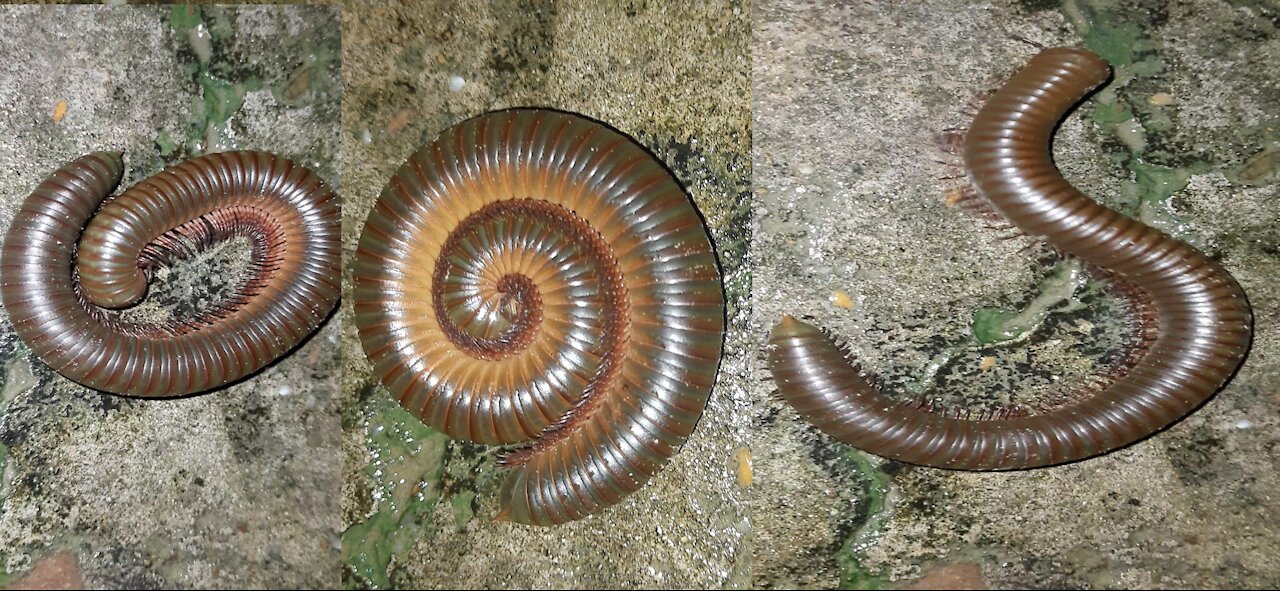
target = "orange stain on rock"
x: 743, y: 457
x: 842, y: 299
x: 400, y: 120
x: 960, y: 575
x: 56, y: 571
x: 59, y: 111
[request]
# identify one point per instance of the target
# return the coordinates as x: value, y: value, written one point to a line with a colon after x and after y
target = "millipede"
x: 69, y: 259
x: 1197, y: 315
x: 534, y: 277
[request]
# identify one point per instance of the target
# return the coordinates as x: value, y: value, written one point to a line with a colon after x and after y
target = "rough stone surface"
x: 848, y: 196
x: 235, y: 488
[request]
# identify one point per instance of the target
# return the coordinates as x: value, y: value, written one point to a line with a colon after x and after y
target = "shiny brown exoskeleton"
x: 535, y: 276
x: 1202, y: 329
x: 58, y: 277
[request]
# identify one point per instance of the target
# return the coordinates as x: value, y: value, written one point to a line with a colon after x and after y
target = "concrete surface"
x: 417, y: 508
x: 848, y: 198
x: 233, y: 488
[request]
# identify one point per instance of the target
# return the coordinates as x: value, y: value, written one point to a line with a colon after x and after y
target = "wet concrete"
x: 236, y: 488
x: 417, y: 508
x: 848, y: 197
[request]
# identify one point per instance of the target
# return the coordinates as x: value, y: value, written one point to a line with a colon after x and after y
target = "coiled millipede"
x: 66, y: 261
x: 535, y: 276
x: 1203, y: 323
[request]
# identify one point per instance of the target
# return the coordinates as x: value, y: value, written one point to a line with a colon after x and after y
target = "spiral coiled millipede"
x: 1203, y: 321
x: 59, y: 308
x: 535, y: 276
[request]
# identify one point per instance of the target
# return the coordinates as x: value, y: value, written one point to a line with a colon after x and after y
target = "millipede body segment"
x: 1203, y: 321
x: 68, y: 258
x: 533, y: 276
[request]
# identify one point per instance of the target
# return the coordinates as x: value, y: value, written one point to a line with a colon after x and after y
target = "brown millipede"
x: 66, y: 260
x: 535, y: 276
x: 1202, y: 320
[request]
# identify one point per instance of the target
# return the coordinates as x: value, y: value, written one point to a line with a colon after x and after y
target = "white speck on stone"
x: 456, y: 83
x: 286, y: 390
x: 1244, y: 424
x: 366, y: 137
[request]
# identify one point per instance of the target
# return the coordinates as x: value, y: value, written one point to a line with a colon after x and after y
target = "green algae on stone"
x: 996, y: 325
x: 875, y: 488
x: 165, y: 144
x: 1108, y: 34
x: 1113, y: 112
x: 221, y: 98
x: 1153, y: 185
x: 462, y: 511
x: 187, y: 20
x: 407, y: 466
x: 1117, y: 41
x: 1060, y: 292
x: 367, y: 550
x: 1134, y: 56
x: 992, y: 325
x: 183, y: 17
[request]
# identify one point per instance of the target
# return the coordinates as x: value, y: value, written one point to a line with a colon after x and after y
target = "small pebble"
x: 743, y: 457
x: 840, y: 298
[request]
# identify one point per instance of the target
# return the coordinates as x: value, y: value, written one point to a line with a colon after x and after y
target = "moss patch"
x: 875, y: 486
x: 407, y: 465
